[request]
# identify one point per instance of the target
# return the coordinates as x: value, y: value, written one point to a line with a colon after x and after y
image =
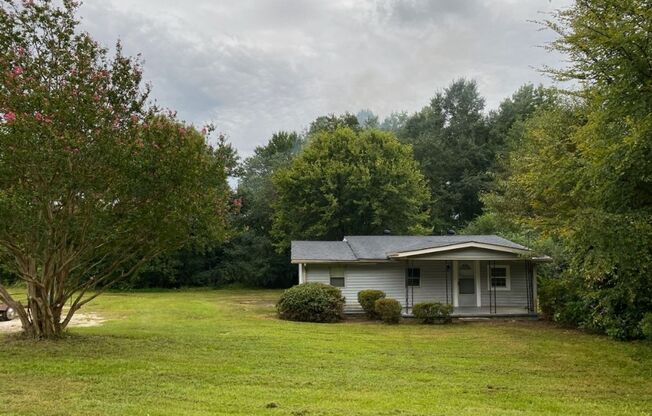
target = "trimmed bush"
x: 367, y: 299
x: 432, y: 312
x: 389, y: 310
x: 311, y: 302
x: 646, y: 326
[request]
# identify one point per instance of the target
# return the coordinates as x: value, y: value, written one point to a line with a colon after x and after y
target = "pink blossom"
x: 16, y: 70
x: 21, y: 51
x: 96, y: 97
x: 40, y: 117
x: 10, y: 116
x: 204, y: 131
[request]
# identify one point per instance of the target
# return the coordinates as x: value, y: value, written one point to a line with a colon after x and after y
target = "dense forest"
x: 565, y: 170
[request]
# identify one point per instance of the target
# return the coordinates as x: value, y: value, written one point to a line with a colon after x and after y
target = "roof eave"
x: 542, y: 259
x: 317, y: 261
x: 458, y: 246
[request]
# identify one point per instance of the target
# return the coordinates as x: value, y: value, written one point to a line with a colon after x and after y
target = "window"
x: 466, y: 286
x: 414, y: 276
x: 337, y: 276
x: 499, y: 277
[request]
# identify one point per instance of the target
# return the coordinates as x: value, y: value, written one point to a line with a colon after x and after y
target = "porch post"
x: 302, y: 277
x: 478, y: 285
x: 455, y: 276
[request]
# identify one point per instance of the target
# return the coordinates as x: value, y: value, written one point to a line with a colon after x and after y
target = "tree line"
x: 351, y: 174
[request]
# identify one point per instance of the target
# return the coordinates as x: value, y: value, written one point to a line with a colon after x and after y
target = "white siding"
x: 517, y: 295
x: 388, y: 277
x: 433, y: 283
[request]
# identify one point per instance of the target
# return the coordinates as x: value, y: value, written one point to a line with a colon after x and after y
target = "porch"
x: 474, y: 287
x: 486, y: 312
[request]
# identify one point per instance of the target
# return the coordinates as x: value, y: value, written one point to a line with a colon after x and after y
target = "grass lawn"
x: 224, y: 352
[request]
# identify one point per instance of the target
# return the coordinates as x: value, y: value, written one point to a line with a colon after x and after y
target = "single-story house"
x: 480, y: 275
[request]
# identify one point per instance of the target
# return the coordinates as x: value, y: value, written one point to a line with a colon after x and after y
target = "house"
x: 480, y: 275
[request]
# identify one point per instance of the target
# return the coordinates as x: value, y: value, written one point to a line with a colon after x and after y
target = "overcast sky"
x: 254, y: 67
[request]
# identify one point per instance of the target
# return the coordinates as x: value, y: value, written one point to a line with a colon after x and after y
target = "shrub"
x: 433, y: 312
x: 367, y: 299
x: 389, y: 310
x: 560, y: 301
x: 646, y: 326
x: 311, y: 302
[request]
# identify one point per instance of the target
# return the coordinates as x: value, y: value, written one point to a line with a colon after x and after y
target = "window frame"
x: 408, y: 277
x: 507, y: 277
x: 332, y: 276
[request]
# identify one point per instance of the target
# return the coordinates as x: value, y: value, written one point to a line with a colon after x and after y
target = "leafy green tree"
x: 394, y: 122
x: 367, y: 119
x: 93, y: 182
x: 332, y: 122
x: 506, y: 123
x: 250, y: 257
x: 507, y: 126
x: 255, y: 186
x: 350, y: 182
x: 582, y: 173
x: 450, y: 138
x: 196, y: 263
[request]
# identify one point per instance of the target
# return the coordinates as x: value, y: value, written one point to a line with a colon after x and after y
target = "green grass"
x: 224, y: 352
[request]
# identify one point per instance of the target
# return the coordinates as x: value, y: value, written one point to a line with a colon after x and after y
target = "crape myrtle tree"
x: 347, y: 181
x: 94, y: 182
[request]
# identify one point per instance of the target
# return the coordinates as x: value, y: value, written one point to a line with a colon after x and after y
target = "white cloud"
x: 255, y: 67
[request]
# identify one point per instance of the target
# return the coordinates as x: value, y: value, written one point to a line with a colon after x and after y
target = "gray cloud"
x: 255, y: 67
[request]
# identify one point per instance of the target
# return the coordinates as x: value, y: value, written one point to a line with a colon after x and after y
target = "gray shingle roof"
x: 322, y: 250
x: 378, y: 247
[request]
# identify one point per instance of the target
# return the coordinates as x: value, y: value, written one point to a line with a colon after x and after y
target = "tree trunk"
x: 41, y: 315
x: 44, y: 316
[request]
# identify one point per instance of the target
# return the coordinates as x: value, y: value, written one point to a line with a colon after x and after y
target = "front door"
x: 466, y: 284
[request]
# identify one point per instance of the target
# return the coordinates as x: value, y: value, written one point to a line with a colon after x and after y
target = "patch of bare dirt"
x: 80, y: 320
